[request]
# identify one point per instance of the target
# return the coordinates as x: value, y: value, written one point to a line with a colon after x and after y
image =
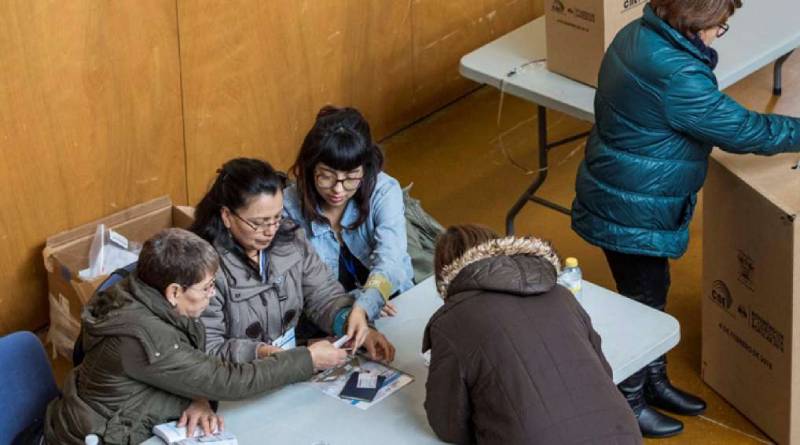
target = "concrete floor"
x: 461, y: 161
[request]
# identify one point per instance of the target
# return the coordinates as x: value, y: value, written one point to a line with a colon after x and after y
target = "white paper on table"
x: 171, y: 433
x: 332, y: 381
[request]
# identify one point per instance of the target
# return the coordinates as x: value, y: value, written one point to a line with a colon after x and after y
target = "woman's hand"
x: 389, y: 310
x: 378, y: 347
x: 357, y: 326
x: 264, y: 350
x: 324, y: 355
x: 200, y: 412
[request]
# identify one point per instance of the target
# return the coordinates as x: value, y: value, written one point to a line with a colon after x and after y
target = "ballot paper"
x: 367, y: 380
x: 170, y: 433
x: 332, y: 381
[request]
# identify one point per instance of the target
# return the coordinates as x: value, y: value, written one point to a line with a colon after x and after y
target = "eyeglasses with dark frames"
x: 723, y: 29
x: 259, y: 227
x: 329, y: 181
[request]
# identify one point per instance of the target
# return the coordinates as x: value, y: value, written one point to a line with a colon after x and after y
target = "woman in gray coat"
x: 269, y: 274
x: 528, y: 369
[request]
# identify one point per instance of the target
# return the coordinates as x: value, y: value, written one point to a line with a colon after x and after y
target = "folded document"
x: 173, y: 434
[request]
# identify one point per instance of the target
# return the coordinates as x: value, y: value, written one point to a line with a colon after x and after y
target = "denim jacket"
x: 379, y: 243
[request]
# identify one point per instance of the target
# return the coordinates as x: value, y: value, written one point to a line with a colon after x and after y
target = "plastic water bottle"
x: 91, y: 439
x: 572, y: 278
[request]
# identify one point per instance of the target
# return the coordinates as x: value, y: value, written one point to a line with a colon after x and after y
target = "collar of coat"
x: 283, y: 254
x: 665, y: 30
x: 129, y: 308
x: 508, y: 246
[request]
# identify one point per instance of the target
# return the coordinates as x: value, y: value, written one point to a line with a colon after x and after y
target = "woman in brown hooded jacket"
x: 514, y: 357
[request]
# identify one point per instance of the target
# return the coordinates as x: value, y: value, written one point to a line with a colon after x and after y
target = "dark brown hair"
x: 176, y: 256
x: 340, y: 139
x: 455, y: 241
x: 237, y: 182
x: 691, y: 16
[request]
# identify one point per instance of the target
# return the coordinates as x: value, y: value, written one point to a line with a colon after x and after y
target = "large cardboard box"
x: 579, y: 31
x: 751, y: 289
x: 66, y: 253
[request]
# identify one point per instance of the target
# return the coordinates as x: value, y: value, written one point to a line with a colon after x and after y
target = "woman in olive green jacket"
x: 145, y: 363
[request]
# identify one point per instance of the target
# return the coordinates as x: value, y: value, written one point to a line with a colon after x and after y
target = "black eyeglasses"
x: 274, y: 224
x: 722, y: 29
x: 328, y: 181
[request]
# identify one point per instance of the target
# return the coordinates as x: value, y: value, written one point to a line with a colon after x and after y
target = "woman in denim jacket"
x: 353, y: 213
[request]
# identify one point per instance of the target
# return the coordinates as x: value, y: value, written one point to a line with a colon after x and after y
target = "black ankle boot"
x: 652, y: 423
x: 659, y: 392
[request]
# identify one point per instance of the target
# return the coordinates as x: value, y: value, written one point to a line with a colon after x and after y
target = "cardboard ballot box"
x: 66, y: 253
x: 579, y: 31
x: 751, y: 289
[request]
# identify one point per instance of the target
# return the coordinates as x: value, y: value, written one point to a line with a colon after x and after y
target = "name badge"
x: 286, y: 341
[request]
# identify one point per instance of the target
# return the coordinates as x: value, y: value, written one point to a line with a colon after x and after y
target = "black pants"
x: 641, y: 278
x: 646, y: 280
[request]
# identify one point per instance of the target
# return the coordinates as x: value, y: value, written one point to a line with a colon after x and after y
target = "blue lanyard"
x: 350, y: 266
x: 263, y: 263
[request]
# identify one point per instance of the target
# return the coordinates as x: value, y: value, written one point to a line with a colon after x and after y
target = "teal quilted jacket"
x: 658, y: 114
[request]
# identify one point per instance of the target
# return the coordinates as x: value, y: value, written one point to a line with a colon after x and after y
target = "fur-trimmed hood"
x: 519, y: 266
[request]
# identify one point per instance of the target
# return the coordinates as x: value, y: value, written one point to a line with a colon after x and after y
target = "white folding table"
x: 301, y: 414
x: 516, y: 63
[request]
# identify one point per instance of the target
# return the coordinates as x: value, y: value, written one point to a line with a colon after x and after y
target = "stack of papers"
x: 170, y: 433
x: 332, y: 381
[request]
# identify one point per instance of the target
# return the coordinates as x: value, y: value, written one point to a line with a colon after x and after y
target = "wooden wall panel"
x: 97, y: 95
x: 256, y: 72
x: 90, y: 123
x: 444, y: 31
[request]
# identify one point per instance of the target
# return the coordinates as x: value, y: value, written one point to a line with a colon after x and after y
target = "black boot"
x: 651, y: 422
x: 659, y: 392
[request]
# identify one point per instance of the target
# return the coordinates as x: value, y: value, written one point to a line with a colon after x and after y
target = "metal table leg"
x: 529, y: 195
x: 777, y: 76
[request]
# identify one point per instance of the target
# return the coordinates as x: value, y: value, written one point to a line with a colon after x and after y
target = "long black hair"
x: 237, y: 181
x: 342, y: 140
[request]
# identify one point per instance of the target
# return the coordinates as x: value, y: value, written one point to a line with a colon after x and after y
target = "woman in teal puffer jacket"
x: 658, y: 114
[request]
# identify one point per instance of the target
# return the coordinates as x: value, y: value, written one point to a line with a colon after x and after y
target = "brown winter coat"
x: 514, y: 357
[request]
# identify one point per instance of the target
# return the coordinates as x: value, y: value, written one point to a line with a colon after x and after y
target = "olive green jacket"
x: 145, y: 364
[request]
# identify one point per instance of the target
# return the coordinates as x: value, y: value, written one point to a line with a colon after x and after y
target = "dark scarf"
x: 707, y: 51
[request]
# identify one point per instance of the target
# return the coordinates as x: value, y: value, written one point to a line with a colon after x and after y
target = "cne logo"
x: 629, y: 4
x: 558, y: 6
x: 721, y: 295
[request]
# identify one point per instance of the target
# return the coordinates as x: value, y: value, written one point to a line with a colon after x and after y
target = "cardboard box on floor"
x: 66, y: 253
x: 579, y: 31
x: 751, y: 289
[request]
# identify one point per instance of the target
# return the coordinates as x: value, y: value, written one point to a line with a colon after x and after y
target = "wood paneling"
x: 444, y: 31
x: 90, y: 123
x: 256, y: 72
x: 97, y: 95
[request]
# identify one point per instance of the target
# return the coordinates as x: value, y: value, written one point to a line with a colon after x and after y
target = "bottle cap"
x: 571, y: 262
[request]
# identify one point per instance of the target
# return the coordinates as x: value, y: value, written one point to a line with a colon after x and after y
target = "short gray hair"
x: 176, y: 256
